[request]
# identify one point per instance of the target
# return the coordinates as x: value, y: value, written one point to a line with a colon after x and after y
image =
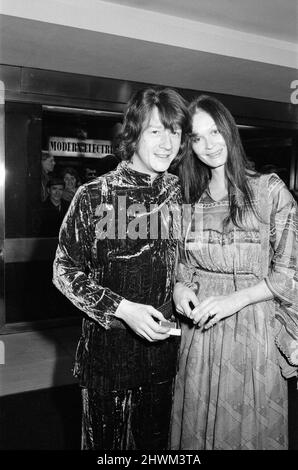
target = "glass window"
x: 272, y: 151
x: 76, y: 148
x: 50, y: 152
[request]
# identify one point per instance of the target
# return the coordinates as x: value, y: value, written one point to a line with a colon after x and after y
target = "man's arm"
x: 70, y: 276
x: 70, y: 269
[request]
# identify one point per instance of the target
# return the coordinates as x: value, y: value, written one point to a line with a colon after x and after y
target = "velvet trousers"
x: 131, y: 419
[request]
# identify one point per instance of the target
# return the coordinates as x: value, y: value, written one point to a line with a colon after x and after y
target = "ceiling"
x: 272, y: 18
x: 227, y: 46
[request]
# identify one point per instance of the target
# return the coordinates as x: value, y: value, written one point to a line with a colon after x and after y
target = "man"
x: 47, y: 168
x: 54, y: 208
x: 89, y: 174
x: 114, y: 266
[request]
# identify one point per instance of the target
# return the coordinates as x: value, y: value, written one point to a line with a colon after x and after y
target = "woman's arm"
x: 214, y: 309
x: 184, y: 294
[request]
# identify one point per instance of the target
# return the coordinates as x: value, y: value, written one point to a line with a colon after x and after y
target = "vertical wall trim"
x: 2, y: 202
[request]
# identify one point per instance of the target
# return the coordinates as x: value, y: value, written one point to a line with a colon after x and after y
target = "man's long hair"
x: 195, y: 175
x: 173, y: 113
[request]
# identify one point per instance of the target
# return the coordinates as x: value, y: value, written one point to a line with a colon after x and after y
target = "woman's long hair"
x: 172, y: 110
x: 195, y: 175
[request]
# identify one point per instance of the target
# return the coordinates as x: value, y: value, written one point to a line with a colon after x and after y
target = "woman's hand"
x: 182, y: 297
x: 213, y: 309
x: 216, y: 308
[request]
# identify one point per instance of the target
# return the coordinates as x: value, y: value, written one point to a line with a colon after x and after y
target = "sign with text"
x: 71, y: 147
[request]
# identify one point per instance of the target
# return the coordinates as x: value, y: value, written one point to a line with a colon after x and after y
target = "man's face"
x: 157, y: 146
x: 90, y: 174
x: 48, y: 164
x: 55, y: 193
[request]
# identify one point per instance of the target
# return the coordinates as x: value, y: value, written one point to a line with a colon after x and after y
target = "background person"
x: 47, y: 168
x: 89, y: 174
x: 71, y: 181
x: 238, y: 287
x: 54, y: 208
x: 125, y: 360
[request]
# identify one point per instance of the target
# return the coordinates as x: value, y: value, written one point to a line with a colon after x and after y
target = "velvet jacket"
x: 118, y: 241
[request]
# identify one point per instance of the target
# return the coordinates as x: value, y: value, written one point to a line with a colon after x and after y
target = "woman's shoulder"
x: 274, y: 183
x: 278, y: 192
x: 272, y: 186
x: 270, y: 180
x: 273, y: 180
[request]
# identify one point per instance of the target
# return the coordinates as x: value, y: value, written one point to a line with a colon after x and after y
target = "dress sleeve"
x: 71, y: 269
x: 282, y: 278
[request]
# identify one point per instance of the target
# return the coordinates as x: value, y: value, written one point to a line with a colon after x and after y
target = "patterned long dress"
x: 229, y: 391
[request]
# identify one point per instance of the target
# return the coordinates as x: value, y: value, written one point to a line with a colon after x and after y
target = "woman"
x: 71, y: 180
x: 242, y: 324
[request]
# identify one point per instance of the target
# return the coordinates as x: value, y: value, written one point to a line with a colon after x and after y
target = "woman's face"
x: 70, y: 181
x: 48, y: 164
x: 207, y: 142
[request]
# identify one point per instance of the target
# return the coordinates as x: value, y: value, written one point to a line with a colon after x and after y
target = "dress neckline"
x: 207, y: 191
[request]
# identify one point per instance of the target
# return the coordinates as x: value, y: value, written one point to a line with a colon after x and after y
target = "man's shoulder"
x: 100, y: 181
x: 173, y: 184
x: 100, y: 188
x: 174, y: 192
x: 172, y: 179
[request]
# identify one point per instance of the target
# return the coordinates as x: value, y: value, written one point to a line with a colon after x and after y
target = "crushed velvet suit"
x: 126, y: 381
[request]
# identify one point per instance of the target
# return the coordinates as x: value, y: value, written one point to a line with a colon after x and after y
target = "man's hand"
x: 183, y: 296
x: 141, y: 319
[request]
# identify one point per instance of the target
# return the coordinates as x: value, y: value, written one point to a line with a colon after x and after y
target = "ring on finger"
x: 213, y: 320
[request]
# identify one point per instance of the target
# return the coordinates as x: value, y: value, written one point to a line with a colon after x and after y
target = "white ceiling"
x: 273, y: 18
x: 238, y: 47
